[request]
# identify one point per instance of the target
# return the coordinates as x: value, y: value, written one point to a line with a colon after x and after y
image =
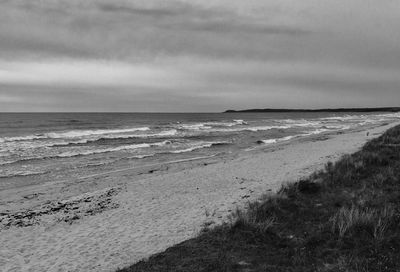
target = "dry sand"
x: 112, y: 220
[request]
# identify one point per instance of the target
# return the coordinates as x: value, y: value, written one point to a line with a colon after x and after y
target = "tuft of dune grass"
x: 373, y: 221
x: 254, y: 217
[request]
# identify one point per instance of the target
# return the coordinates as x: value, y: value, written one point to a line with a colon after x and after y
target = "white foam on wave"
x: 343, y: 118
x: 59, y: 144
x: 300, y: 122
x: 308, y: 124
x: 49, y: 143
x: 341, y: 122
x: 161, y: 134
x: 198, y: 126
x: 90, y: 152
x: 210, y: 125
x: 284, y: 124
x: 283, y: 139
x: 254, y: 129
x: 337, y: 127
x: 165, y: 133
x: 235, y: 122
x: 112, y: 149
x: 139, y: 146
x: 317, y: 131
x: 83, y: 133
x: 269, y: 141
x: 390, y: 115
x: 72, y: 134
x: 197, y: 146
x: 289, y: 123
x: 240, y: 122
x: 287, y: 138
x: 363, y: 117
x: 22, y: 138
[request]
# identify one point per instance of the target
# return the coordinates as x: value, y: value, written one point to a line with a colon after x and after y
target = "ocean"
x: 49, y: 147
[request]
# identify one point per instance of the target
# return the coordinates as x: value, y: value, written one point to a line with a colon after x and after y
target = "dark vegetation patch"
x: 344, y: 218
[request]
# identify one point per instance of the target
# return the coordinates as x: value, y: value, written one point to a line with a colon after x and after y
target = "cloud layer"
x: 159, y: 55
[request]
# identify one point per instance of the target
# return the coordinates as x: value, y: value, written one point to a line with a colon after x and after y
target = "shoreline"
x: 152, y: 212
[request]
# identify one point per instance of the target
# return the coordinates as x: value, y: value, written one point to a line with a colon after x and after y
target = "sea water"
x: 48, y: 147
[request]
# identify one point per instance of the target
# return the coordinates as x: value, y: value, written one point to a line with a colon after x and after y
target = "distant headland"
x: 384, y: 109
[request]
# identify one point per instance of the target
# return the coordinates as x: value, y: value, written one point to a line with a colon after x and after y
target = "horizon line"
x: 225, y: 111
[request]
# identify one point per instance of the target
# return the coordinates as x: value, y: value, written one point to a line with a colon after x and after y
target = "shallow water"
x: 44, y: 147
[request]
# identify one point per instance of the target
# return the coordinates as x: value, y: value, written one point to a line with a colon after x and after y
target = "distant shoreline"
x: 384, y: 109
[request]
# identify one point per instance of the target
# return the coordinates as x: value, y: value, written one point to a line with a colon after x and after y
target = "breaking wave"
x: 287, y: 138
x: 72, y: 134
x: 199, y: 146
x: 71, y: 154
x: 283, y: 139
x: 112, y: 149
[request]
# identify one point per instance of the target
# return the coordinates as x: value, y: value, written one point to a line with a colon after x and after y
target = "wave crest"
x: 71, y: 134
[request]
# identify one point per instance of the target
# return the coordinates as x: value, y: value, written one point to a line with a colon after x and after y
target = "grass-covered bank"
x: 344, y: 218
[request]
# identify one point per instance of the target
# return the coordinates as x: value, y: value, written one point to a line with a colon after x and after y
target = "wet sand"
x: 102, y: 222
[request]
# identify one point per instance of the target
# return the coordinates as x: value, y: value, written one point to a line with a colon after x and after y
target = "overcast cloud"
x: 155, y: 55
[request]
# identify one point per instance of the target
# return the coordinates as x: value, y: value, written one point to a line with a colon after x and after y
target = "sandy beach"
x: 110, y: 220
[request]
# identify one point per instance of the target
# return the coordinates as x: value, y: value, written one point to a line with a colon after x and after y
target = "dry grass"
x: 251, y: 219
x: 374, y: 221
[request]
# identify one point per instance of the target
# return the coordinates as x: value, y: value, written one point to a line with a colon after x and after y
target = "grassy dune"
x: 344, y: 218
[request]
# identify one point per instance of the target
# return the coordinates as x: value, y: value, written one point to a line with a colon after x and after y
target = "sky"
x: 198, y: 56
